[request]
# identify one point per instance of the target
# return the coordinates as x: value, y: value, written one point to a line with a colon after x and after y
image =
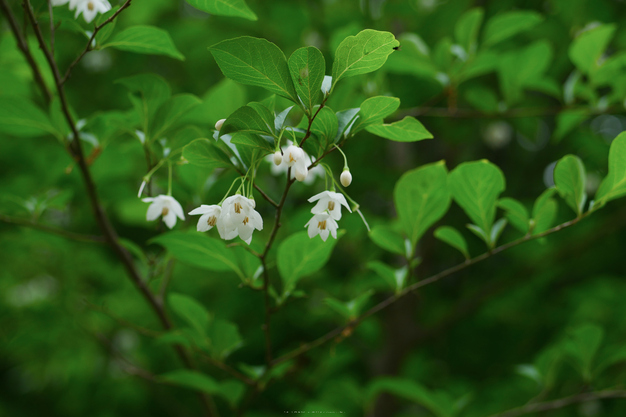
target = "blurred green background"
x: 67, y: 347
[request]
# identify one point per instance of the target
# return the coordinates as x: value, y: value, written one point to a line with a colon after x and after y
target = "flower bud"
x: 278, y: 158
x: 345, y: 178
x: 219, y: 124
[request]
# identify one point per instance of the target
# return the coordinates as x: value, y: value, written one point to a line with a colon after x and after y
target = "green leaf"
x: 475, y: 187
x: 145, y: 40
x: 300, y: 256
x: 205, y: 153
x: 523, y: 68
x: 325, y: 126
x: 254, y: 61
x: 20, y: 117
x: 396, y: 278
x: 217, y: 103
x: 339, y: 307
x: 374, y: 110
x: 190, y: 310
x: 467, y: 27
x: 199, y: 250
x: 191, y: 379
x: 232, y: 390
x: 245, y: 125
x: 439, y: 403
x: 408, y: 129
x: 544, y: 211
x: 496, y: 230
x: 588, y: 47
x: 516, y: 213
x: 567, y: 120
x: 414, y: 58
x: 581, y: 345
x: 224, y: 337
x: 363, y: 53
x: 614, y: 184
x: 508, y: 24
x: 421, y: 197
x: 307, y: 68
x: 569, y: 179
x: 388, y: 239
x: 351, y: 309
x: 345, y: 120
x: 234, y: 8
x: 171, y: 112
x: 148, y: 93
x: 453, y: 238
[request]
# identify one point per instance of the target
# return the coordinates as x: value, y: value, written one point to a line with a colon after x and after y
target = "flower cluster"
x: 325, y: 214
x: 298, y: 160
x: 89, y: 8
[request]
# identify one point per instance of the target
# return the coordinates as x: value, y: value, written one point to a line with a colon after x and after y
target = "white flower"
x: 90, y: 8
x: 278, y: 158
x: 219, y: 123
x: 322, y: 224
x: 239, y: 218
x: 210, y: 216
x: 345, y: 178
x: 164, y: 205
x: 295, y: 158
x: 331, y: 202
x: 316, y: 171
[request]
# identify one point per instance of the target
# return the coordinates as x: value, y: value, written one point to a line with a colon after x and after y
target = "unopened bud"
x: 219, y: 124
x: 278, y: 158
x: 345, y: 178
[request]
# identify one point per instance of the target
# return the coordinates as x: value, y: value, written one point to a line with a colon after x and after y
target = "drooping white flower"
x: 295, y: 158
x: 345, y: 178
x: 313, y: 173
x: 219, y: 123
x: 166, y: 206
x: 90, y: 8
x: 210, y: 216
x: 239, y: 218
x: 331, y: 202
x: 278, y: 158
x: 322, y: 224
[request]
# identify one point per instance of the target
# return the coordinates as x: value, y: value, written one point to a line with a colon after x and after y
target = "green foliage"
x: 614, y: 185
x: 22, y: 118
x: 569, y: 178
x: 408, y: 129
x: 145, y: 40
x: 453, y: 238
x: 205, y: 153
x: 236, y: 8
x: 307, y: 68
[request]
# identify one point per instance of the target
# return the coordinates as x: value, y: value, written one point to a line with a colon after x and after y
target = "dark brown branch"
x: 89, y: 47
x: 59, y: 232
x: 23, y: 45
x: 350, y: 326
x: 562, y: 402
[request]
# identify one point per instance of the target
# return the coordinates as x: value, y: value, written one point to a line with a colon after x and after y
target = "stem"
x: 350, y: 326
x: 59, y: 232
x: 169, y: 178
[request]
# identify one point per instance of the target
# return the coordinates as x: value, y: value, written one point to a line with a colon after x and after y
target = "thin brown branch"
x: 226, y: 368
x: 59, y: 232
x: 51, y: 15
x: 22, y: 44
x: 91, y: 40
x: 350, y: 326
x: 562, y: 402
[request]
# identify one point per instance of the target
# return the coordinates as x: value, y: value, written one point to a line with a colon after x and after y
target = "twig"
x: 388, y: 301
x: 88, y: 47
x: 562, y: 402
x: 23, y: 45
x: 226, y: 368
x: 51, y: 15
x: 59, y: 232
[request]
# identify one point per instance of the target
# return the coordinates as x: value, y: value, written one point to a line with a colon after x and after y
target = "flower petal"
x: 154, y: 211
x: 170, y: 219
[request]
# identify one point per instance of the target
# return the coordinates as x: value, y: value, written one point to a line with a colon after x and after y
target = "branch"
x: 59, y: 232
x: 350, y: 326
x: 88, y: 47
x: 562, y: 402
x: 23, y: 45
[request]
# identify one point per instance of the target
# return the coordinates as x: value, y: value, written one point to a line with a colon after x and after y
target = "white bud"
x: 278, y: 158
x: 219, y: 124
x: 345, y: 178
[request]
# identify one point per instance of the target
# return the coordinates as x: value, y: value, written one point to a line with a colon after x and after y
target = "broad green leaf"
x: 224, y: 337
x: 408, y: 129
x: 613, y: 355
x: 475, y: 187
x: 300, y: 256
x: 567, y: 120
x: 235, y: 8
x: 582, y: 345
x: 199, y: 250
x: 266, y: 115
x: 439, y: 403
x: 388, y: 239
x: 253, y: 141
x: 508, y: 24
x: 467, y: 27
x: 145, y: 40
x: 191, y: 379
x: 205, y: 153
x: 363, y: 53
x: 345, y: 121
x: 374, y: 110
x: 588, y: 47
x: 254, y: 61
x: 190, y: 310
x: 614, y: 184
x: 414, y: 58
x: 20, y: 117
x: 184, y: 137
x: 350, y: 309
x: 170, y: 113
x: 421, y: 197
x: 148, y: 93
x: 106, y: 32
x: 307, y: 68
x: 232, y: 390
x: 396, y: 278
x: 569, y: 179
x: 325, y: 126
x: 515, y: 213
x: 453, y: 238
x: 522, y: 68
x: 544, y: 211
x: 245, y: 125
x: 217, y: 103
